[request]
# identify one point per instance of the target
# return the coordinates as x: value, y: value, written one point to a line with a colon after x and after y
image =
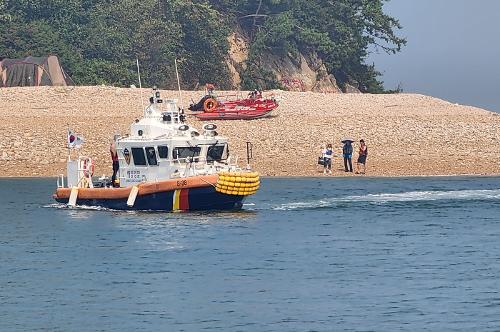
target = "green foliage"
x: 3, y: 16
x: 99, y: 41
x: 255, y: 76
x: 121, y: 32
x: 340, y: 32
x: 204, y: 44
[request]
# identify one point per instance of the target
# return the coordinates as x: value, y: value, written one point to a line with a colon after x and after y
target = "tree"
x: 99, y: 40
x: 204, y: 44
x: 340, y: 32
x: 122, y: 31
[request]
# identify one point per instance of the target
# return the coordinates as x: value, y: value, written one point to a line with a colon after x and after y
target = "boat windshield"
x: 170, y: 106
x: 185, y: 152
x: 215, y: 153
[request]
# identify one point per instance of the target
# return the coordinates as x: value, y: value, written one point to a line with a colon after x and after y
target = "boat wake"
x: 387, y: 198
x: 78, y: 207
x: 185, y: 215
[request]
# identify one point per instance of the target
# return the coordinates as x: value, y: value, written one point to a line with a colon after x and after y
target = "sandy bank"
x: 407, y: 134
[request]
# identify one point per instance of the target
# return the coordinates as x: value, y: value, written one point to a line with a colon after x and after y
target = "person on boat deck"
x: 116, y: 164
x: 327, y: 159
x: 362, y: 154
x: 347, y: 153
x: 210, y: 89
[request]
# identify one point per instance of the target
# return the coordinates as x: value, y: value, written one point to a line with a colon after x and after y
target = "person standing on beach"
x: 362, y: 154
x: 347, y: 153
x: 116, y: 164
x: 327, y: 159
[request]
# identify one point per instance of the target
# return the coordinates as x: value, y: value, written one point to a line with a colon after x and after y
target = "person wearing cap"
x: 347, y: 154
x: 362, y: 154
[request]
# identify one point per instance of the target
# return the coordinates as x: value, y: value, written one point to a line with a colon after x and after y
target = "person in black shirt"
x: 347, y: 152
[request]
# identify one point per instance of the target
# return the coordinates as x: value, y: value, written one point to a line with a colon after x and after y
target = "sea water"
x: 313, y: 254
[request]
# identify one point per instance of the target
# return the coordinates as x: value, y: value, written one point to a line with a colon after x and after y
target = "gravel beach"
x: 406, y: 134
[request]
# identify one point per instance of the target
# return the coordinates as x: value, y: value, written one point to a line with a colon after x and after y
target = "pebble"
x: 442, y: 138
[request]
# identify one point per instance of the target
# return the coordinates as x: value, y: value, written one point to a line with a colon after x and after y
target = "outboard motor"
x: 198, y: 107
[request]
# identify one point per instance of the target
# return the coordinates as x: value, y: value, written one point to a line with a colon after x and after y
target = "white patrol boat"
x: 164, y: 165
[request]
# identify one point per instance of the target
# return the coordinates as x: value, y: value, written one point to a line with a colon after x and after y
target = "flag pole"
x: 140, y: 83
x: 67, y: 143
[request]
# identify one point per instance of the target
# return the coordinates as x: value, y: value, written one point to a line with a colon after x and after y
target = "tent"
x: 33, y: 71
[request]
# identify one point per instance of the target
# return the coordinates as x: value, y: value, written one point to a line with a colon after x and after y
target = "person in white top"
x: 327, y: 159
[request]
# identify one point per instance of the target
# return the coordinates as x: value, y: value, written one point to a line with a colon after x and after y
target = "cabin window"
x: 215, y: 153
x: 163, y: 151
x: 151, y: 156
x: 185, y: 152
x: 139, y: 158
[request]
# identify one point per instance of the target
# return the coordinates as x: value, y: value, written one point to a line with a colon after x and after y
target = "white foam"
x: 432, y: 196
x: 77, y: 207
x: 383, y: 198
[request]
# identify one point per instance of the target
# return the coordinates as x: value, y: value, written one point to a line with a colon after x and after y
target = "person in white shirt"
x: 327, y: 159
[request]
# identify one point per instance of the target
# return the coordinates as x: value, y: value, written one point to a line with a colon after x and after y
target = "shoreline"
x: 408, y: 135
x: 357, y: 176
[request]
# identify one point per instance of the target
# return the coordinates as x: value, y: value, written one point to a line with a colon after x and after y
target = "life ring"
x: 88, y: 167
x: 210, y: 105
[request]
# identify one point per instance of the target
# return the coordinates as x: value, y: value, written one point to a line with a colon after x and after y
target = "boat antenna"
x: 178, y: 82
x: 249, y: 153
x: 67, y: 144
x: 140, y: 83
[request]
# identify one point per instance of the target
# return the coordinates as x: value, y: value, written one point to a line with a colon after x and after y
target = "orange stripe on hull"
x: 144, y: 188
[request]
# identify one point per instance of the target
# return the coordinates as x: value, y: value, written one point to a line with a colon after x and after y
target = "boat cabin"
x: 162, y: 146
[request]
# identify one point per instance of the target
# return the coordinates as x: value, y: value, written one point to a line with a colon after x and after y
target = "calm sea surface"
x: 319, y: 254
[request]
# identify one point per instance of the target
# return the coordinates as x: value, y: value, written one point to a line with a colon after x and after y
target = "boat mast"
x: 140, y: 83
x: 178, y: 82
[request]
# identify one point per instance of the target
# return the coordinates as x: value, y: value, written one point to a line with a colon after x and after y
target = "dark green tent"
x: 33, y: 71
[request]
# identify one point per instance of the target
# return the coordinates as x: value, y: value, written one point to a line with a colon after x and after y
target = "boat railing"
x: 230, y: 161
x: 197, y: 165
x: 230, y: 97
x: 167, y: 107
x: 230, y: 164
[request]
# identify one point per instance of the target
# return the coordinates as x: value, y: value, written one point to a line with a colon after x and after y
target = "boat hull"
x: 186, y: 199
x: 233, y: 115
x: 242, y: 109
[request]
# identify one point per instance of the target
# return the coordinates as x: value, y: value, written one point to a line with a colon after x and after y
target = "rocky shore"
x: 407, y: 134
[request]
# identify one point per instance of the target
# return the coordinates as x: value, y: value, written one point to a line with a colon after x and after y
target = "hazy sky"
x: 453, y: 50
